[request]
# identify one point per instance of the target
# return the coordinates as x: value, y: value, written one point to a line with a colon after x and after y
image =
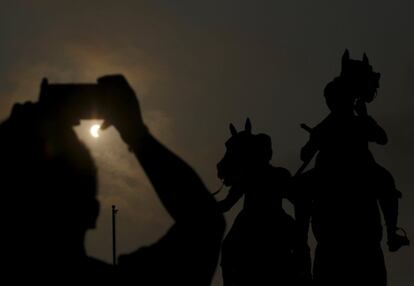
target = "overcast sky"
x: 198, y: 65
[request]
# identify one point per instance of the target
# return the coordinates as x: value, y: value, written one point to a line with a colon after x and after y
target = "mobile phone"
x: 71, y: 102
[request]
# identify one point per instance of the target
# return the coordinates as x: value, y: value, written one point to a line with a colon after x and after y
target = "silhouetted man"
x: 346, y: 185
x: 49, y: 202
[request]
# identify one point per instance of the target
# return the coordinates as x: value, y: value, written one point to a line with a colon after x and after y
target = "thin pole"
x: 114, y: 211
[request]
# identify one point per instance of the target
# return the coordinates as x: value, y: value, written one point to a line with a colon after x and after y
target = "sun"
x: 94, y: 130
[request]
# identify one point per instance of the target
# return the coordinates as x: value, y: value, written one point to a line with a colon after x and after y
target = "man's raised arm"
x: 188, y: 253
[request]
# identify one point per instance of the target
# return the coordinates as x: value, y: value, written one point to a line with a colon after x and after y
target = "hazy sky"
x: 198, y: 65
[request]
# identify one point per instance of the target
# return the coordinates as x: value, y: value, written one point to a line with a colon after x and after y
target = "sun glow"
x: 94, y: 130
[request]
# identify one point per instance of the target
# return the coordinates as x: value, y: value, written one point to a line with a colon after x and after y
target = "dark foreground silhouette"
x: 49, y: 191
x: 258, y: 250
x: 343, y: 194
x: 49, y: 196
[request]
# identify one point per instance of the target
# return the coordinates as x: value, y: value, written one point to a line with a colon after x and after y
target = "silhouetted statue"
x: 258, y: 248
x: 49, y: 201
x: 342, y: 192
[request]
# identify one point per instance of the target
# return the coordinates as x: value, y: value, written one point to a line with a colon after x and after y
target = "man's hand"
x: 122, y: 108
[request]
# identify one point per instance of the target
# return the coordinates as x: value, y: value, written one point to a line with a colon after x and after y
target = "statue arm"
x: 375, y: 133
x: 311, y: 147
x: 232, y: 198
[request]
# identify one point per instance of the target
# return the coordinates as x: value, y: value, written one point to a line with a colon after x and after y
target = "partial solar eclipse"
x: 95, y: 130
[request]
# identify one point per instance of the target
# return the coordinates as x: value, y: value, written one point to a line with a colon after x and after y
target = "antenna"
x: 114, y: 211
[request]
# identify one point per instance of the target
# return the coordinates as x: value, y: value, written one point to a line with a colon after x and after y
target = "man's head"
x: 48, y: 178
